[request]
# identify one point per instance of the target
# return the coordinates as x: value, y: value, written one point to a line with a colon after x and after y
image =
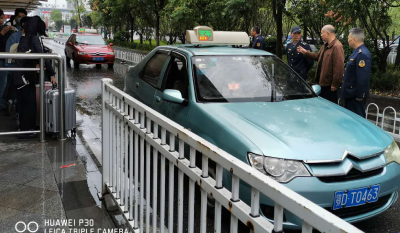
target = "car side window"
x: 177, y: 75
x: 154, y: 66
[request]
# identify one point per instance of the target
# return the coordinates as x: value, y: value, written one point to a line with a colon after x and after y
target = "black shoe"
x: 27, y: 136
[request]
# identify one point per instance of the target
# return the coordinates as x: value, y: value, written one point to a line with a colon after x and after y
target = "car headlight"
x: 281, y: 170
x: 110, y: 53
x: 82, y: 53
x: 392, y: 153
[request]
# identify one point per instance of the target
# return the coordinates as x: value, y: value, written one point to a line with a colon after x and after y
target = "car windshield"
x: 90, y: 40
x: 247, y: 79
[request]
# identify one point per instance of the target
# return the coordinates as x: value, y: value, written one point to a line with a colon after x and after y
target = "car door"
x: 147, y: 82
x: 68, y: 47
x: 71, y: 47
x: 176, y: 77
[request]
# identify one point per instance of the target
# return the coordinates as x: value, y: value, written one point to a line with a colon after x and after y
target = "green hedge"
x: 389, y: 81
x: 135, y: 46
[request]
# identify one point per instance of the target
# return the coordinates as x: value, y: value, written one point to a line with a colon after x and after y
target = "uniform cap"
x: 296, y: 29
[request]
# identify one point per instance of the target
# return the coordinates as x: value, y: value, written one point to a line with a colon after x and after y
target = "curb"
x: 379, y: 97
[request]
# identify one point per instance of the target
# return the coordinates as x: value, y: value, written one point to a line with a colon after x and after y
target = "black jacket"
x: 30, y: 42
x: 3, y: 39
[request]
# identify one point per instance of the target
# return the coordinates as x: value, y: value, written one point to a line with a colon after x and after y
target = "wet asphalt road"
x: 87, y: 82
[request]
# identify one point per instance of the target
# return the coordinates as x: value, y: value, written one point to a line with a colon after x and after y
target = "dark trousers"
x: 326, y: 93
x: 26, y: 98
x: 358, y: 107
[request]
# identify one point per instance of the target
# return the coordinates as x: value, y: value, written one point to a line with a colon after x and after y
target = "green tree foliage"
x: 168, y: 20
x: 55, y: 15
x: 374, y: 17
x: 73, y: 23
x: 87, y: 20
x: 78, y: 11
x: 59, y: 25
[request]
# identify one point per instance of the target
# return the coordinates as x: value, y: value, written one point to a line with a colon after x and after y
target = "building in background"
x: 64, y: 6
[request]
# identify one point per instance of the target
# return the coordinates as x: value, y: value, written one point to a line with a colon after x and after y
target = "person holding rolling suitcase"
x: 25, y: 81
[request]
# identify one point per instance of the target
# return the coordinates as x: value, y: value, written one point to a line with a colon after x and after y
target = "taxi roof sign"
x: 88, y: 31
x: 206, y: 35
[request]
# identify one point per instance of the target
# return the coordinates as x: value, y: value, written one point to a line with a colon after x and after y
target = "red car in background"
x: 88, y: 49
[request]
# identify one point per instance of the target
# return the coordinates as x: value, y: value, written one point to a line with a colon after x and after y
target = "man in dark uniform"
x: 296, y: 60
x: 355, y: 88
x: 259, y: 42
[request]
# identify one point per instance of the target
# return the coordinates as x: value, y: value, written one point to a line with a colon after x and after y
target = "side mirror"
x: 173, y: 96
x: 69, y: 43
x: 317, y: 89
x: 111, y: 44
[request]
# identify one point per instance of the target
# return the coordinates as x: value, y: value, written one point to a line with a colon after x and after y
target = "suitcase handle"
x: 54, y: 86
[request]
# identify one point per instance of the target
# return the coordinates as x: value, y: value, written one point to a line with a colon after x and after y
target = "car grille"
x: 354, y: 174
x: 358, y: 210
x: 97, y: 54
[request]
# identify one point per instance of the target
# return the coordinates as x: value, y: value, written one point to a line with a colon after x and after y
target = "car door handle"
x: 158, y: 99
x: 137, y: 84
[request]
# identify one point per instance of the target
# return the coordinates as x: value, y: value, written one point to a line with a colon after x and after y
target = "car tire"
x: 98, y: 66
x: 76, y: 64
x: 68, y: 60
x: 111, y: 65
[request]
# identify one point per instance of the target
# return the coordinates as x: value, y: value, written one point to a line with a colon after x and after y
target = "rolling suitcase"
x: 52, y: 119
x: 47, y: 86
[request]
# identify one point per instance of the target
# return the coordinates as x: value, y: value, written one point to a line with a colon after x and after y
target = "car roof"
x: 217, y: 50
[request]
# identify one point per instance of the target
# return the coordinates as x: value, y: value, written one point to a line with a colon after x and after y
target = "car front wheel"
x: 76, y: 64
x: 68, y: 60
x: 111, y: 65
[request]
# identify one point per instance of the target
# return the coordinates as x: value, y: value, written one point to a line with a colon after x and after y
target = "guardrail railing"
x: 139, y: 143
x: 61, y: 87
x: 388, y: 127
x: 134, y: 57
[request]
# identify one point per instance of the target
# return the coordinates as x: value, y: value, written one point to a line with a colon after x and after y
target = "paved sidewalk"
x: 41, y: 182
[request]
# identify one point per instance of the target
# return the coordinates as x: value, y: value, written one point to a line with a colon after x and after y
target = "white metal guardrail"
x: 136, y: 139
x: 381, y: 117
x: 60, y: 40
x: 61, y: 88
x: 134, y: 57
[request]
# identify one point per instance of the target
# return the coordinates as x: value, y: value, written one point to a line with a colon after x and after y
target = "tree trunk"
x: 382, y: 61
x: 132, y: 33
x: 141, y: 38
x: 157, y: 28
x: 171, y: 40
x: 279, y: 29
x: 183, y: 39
x: 397, y: 62
x: 305, y: 31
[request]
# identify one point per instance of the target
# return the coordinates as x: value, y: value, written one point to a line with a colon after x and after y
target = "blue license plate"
x: 98, y: 59
x: 356, y: 197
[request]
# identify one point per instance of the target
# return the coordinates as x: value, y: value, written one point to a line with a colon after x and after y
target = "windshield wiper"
x: 273, y: 91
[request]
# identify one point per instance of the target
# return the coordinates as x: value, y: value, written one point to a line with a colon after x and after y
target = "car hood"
x: 308, y: 129
x: 95, y: 48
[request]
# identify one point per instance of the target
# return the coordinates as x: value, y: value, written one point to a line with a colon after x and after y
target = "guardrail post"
x: 306, y: 228
x: 42, y: 104
x: 61, y: 99
x: 105, y: 134
x: 278, y: 218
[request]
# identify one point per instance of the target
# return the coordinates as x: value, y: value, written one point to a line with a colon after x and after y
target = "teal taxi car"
x: 252, y: 105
